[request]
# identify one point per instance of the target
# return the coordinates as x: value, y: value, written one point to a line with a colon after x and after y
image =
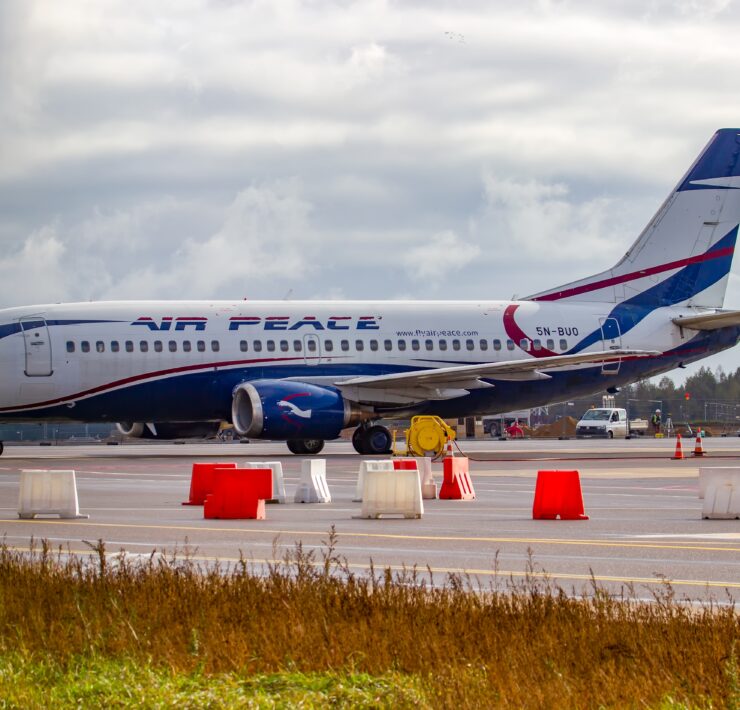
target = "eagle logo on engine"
x: 297, y: 411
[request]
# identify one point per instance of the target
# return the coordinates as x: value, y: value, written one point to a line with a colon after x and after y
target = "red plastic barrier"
x: 201, y: 481
x: 239, y: 493
x: 456, y: 484
x: 405, y: 465
x: 558, y: 494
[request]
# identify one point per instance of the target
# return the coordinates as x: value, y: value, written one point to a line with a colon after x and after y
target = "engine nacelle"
x: 168, y: 430
x: 283, y: 410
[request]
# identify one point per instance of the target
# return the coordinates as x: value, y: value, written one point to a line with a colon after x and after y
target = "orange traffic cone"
x: 450, y: 453
x: 679, y: 449
x: 699, y: 446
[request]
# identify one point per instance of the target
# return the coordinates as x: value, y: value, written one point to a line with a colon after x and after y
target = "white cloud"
x: 442, y: 254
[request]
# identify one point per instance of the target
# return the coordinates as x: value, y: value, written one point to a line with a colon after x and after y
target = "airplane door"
x: 311, y: 350
x: 611, y: 336
x: 38, y: 346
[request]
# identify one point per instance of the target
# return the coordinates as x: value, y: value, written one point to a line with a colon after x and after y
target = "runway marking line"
x: 662, y: 581
x: 382, y: 536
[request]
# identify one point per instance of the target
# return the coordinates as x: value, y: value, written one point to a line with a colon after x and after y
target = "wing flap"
x: 459, y: 376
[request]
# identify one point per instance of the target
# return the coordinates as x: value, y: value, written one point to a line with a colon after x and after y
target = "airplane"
x: 301, y: 372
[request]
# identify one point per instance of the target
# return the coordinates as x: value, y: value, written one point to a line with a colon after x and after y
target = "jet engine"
x: 287, y: 410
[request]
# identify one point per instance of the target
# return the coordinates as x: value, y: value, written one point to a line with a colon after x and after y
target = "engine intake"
x: 281, y: 410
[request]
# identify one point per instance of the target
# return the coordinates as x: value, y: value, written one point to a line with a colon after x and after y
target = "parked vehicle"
x: 606, y: 422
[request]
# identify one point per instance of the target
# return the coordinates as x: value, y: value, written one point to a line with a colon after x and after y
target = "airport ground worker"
x: 655, y: 421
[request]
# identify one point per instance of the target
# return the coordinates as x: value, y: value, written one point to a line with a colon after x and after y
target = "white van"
x: 606, y: 422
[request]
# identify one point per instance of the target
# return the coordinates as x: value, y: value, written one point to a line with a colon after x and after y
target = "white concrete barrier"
x: 370, y: 465
x: 278, y: 482
x: 44, y: 492
x: 312, y: 487
x: 391, y: 493
x: 716, y: 474
x: 721, y: 489
x: 428, y: 486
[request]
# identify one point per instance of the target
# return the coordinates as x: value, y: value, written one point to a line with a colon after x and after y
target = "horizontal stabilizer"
x: 710, y: 321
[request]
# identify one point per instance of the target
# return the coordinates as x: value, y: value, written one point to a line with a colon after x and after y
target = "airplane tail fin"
x: 684, y: 255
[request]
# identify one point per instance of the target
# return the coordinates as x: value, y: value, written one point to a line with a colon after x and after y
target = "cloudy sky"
x: 370, y: 149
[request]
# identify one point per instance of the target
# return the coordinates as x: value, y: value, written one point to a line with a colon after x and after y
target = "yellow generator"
x: 427, y: 435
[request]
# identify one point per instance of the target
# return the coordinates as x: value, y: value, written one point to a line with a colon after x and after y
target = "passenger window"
x: 186, y: 346
x: 311, y: 345
x: 550, y: 344
x: 297, y: 346
x: 429, y: 344
x: 114, y: 347
x: 388, y: 345
x: 470, y: 344
x: 415, y: 345
x: 100, y: 346
x: 373, y: 345
x: 158, y: 346
x: 258, y: 346
x: 173, y: 346
x: 144, y: 346
x: 129, y: 346
x: 243, y: 345
x: 509, y: 344
x: 270, y: 346
x: 402, y: 345
x: 359, y: 345
x: 443, y: 345
x: 497, y: 344
x: 215, y: 346
x: 537, y: 344
x: 483, y: 344
x: 329, y: 345
x: 70, y: 346
x: 345, y: 345
x: 455, y: 344
x: 284, y: 346
x: 563, y: 345
x: 85, y: 346
x: 201, y: 346
x: 524, y: 343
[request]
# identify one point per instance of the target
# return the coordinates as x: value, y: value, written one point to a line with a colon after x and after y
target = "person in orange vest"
x: 515, y: 431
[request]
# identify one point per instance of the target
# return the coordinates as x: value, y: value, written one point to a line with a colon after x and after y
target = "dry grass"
x: 520, y: 645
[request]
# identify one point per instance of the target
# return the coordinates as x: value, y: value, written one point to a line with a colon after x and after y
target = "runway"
x: 645, y: 528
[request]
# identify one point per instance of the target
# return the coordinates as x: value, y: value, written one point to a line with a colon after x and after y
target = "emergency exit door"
x: 38, y: 346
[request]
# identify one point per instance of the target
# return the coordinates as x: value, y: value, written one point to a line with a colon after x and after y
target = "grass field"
x: 162, y: 632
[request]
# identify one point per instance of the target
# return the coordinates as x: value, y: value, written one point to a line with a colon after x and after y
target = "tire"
x: 376, y: 440
x: 295, y: 446
x: 305, y: 447
x: 357, y: 440
x: 2, y: 448
x: 610, y: 435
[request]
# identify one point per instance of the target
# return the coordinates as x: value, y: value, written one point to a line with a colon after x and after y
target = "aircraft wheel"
x: 377, y: 440
x: 358, y: 440
x: 305, y: 447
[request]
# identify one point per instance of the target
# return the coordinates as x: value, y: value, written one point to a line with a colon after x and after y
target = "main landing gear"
x: 374, y: 439
x: 305, y: 447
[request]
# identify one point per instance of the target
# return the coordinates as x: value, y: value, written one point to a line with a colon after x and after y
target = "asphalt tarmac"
x: 644, y: 532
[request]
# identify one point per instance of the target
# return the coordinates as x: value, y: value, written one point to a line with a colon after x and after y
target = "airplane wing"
x: 709, y: 321
x: 456, y: 381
